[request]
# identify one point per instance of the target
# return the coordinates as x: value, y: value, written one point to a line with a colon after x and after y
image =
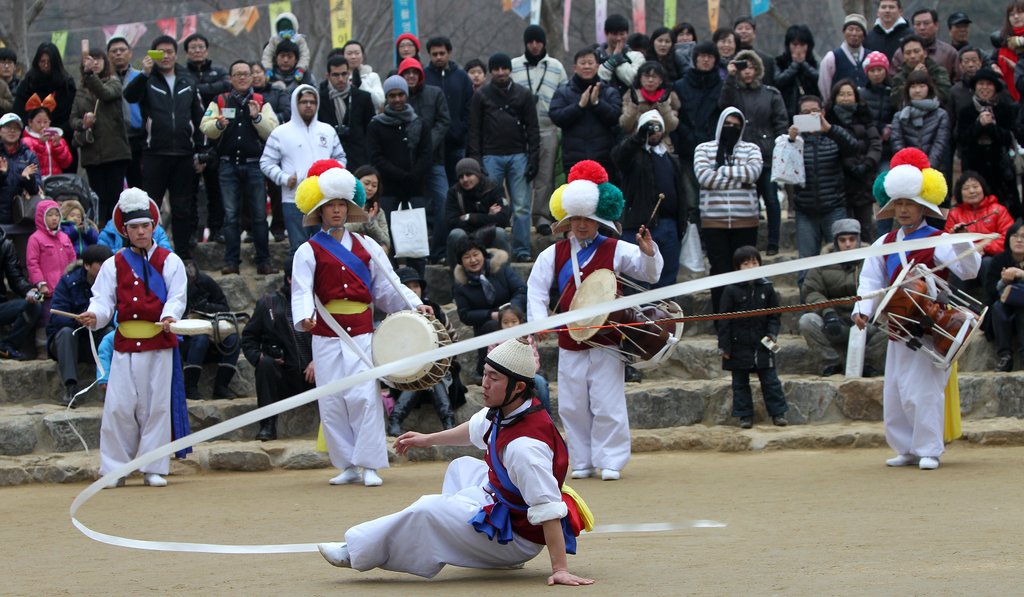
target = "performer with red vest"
x: 336, y: 275
x: 914, y: 391
x: 145, y: 285
x: 497, y: 513
x: 591, y: 387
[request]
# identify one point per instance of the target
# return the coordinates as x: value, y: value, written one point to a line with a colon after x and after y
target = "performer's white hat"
x: 326, y: 181
x: 514, y: 358
x: 588, y: 194
x: 910, y: 177
x: 132, y: 207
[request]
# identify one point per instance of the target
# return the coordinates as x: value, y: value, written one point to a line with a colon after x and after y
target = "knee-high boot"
x: 443, y: 406
x: 192, y: 373
x: 402, y: 407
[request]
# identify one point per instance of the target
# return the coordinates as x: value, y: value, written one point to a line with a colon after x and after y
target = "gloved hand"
x: 616, y: 60
x: 833, y: 326
x: 299, y: 73
x: 531, y: 172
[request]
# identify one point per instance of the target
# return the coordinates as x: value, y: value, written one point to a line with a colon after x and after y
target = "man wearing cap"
x: 890, y: 27
x: 145, y: 286
x: 541, y: 75
x: 913, y: 394
x: 845, y: 61
x: 19, y: 167
x: 499, y: 512
x: 959, y: 25
x: 505, y: 138
x: 926, y: 27
x: 827, y: 330
x: 335, y: 276
x: 591, y: 387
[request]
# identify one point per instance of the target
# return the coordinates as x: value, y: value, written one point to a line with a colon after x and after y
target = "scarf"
x: 918, y: 109
x: 407, y: 118
x: 534, y: 60
x: 981, y: 105
x: 652, y: 97
x: 242, y: 98
x: 582, y: 84
x: 340, y: 99
x: 845, y: 113
x: 727, y: 141
x: 485, y: 284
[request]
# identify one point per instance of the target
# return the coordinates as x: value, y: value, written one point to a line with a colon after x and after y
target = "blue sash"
x: 496, y: 519
x: 345, y: 256
x: 565, y: 275
x: 892, y: 262
x: 179, y: 408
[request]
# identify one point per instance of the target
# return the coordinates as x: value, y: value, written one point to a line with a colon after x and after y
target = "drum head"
x: 404, y: 334
x: 964, y: 338
x: 893, y: 289
x: 599, y: 287
x: 192, y: 327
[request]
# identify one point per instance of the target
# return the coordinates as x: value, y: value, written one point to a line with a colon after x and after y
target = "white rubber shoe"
x: 583, y: 473
x: 336, y: 554
x: 608, y: 474
x: 347, y: 476
x: 928, y: 463
x: 371, y: 478
x: 902, y: 460
x: 154, y: 480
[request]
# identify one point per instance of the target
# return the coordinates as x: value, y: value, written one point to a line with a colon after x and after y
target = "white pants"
x: 592, y: 406
x: 137, y: 409
x: 914, y: 402
x: 434, y: 532
x: 353, y: 420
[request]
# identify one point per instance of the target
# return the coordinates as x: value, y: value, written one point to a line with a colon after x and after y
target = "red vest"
x: 603, y: 258
x: 135, y: 302
x: 332, y: 280
x: 536, y: 425
x: 925, y: 257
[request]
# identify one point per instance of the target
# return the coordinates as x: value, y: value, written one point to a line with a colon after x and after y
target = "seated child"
x: 510, y: 316
x: 80, y: 229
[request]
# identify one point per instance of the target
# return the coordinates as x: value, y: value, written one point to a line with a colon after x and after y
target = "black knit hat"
x: 615, y: 24
x: 499, y: 60
x: 535, y: 33
x: 708, y: 48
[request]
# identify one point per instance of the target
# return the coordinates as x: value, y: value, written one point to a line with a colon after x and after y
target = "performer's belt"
x: 345, y: 307
x: 138, y: 330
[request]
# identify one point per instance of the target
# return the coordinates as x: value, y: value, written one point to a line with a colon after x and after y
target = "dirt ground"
x: 797, y: 523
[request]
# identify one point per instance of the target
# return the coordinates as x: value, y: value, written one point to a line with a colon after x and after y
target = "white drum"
x: 199, y: 327
x: 408, y: 333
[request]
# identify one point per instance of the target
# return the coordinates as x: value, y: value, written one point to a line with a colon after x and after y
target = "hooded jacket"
x: 110, y: 237
x: 11, y: 270
x: 831, y: 282
x: 476, y: 203
x: 172, y: 115
x: 587, y: 133
x: 293, y: 147
x: 13, y: 183
x: 635, y: 164
x: 728, y: 197
x: 53, y: 156
x: 49, y: 252
x: 432, y: 108
x: 474, y: 308
x: 763, y: 106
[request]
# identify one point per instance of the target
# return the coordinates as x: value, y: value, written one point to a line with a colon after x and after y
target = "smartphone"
x: 85, y: 47
x: 807, y: 123
x: 155, y: 54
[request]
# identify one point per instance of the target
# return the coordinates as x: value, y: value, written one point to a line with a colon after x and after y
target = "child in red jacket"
x: 47, y: 256
x: 47, y: 143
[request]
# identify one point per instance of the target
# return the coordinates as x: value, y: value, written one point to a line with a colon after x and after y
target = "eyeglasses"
x: 1018, y: 236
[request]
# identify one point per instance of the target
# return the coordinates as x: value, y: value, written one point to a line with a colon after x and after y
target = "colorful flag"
x: 236, y: 20
x: 189, y: 24
x: 759, y: 7
x: 168, y: 27
x: 566, y: 12
x: 132, y: 32
x: 600, y: 14
x: 639, y: 16
x: 60, y: 39
x: 341, y: 22
x: 713, y: 14
x: 670, y: 14
x: 535, y: 12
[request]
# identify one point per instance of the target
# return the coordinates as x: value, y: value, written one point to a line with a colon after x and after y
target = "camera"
x: 273, y: 351
x: 206, y: 156
x: 343, y: 131
x: 741, y: 64
x: 653, y: 127
x: 770, y: 344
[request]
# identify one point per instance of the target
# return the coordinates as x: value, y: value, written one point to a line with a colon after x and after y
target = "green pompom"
x: 359, y: 197
x: 609, y: 202
x: 878, y: 190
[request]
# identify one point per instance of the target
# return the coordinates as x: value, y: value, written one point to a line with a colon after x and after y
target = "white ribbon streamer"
x: 451, y: 350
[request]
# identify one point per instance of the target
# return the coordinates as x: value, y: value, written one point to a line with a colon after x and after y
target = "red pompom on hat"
x: 912, y: 156
x: 588, y: 170
x: 321, y: 166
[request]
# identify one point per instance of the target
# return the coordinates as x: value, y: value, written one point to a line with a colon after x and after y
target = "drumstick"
x: 64, y: 313
x: 661, y: 196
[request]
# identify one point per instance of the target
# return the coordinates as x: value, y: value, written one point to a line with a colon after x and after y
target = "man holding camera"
x: 652, y: 182
x: 239, y: 122
x: 168, y: 96
x: 348, y: 109
x: 827, y: 331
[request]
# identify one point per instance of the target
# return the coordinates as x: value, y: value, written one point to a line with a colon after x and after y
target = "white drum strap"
x: 576, y: 248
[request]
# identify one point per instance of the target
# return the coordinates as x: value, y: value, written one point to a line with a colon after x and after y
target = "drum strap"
x: 340, y: 332
x: 575, y: 258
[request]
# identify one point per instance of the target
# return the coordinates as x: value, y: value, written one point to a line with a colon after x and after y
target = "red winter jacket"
x: 990, y: 216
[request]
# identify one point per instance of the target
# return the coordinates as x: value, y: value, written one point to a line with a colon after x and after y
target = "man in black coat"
x: 212, y: 80
x: 19, y: 313
x: 205, y: 297
x: 698, y: 116
x: 72, y: 294
x: 348, y: 109
x: 281, y: 356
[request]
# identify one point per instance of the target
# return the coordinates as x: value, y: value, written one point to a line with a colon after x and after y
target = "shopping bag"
x: 691, y: 257
x: 788, y: 161
x: 409, y: 231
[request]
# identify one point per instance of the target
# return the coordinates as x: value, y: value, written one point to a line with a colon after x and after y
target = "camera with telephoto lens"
x: 206, y: 156
x: 652, y: 126
x: 741, y: 64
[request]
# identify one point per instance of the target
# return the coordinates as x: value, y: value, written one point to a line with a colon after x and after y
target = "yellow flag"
x: 60, y: 39
x: 341, y: 22
x: 670, y: 14
x: 713, y: 14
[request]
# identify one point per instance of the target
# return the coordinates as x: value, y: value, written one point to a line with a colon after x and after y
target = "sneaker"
x: 69, y: 396
x: 371, y: 478
x: 608, y: 474
x: 6, y: 352
x: 336, y: 554
x: 347, y: 476
x: 154, y: 480
x: 1005, y: 364
x: 902, y: 460
x: 583, y: 473
x: 115, y: 484
x: 746, y: 422
x: 780, y: 421
x: 927, y: 463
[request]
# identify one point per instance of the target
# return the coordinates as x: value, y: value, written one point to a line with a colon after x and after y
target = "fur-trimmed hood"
x: 755, y: 60
x: 493, y: 262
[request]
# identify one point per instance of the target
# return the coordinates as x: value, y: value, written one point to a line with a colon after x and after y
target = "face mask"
x: 729, y: 137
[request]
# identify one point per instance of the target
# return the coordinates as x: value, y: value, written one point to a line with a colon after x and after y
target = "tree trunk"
x: 18, y: 27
